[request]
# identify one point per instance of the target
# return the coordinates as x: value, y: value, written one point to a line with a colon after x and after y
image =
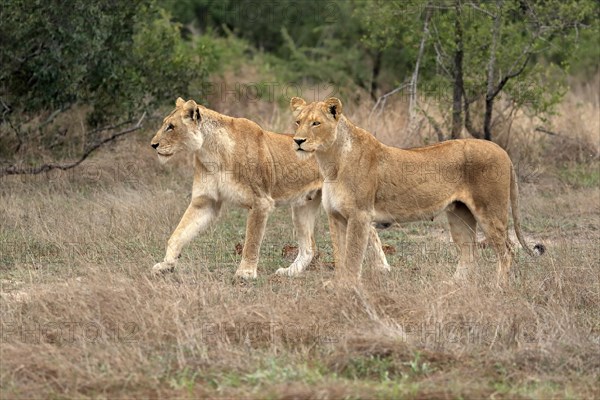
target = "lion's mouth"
x: 165, y: 154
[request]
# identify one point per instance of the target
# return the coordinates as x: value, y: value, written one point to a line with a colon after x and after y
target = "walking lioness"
x: 366, y: 181
x: 237, y: 162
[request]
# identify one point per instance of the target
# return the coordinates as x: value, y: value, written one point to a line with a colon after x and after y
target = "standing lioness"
x: 237, y: 162
x: 366, y: 181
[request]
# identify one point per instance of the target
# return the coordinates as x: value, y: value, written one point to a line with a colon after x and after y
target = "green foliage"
x: 116, y: 57
x: 370, y: 367
x: 304, y: 41
x: 157, y: 68
x: 545, y: 31
x: 375, y: 43
x: 417, y: 367
x: 259, y: 22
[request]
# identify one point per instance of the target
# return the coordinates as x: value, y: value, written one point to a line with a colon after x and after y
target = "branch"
x: 475, y: 7
x: 434, y: 124
x: 415, y: 76
x: 527, y: 53
x: 440, y: 58
x: 53, y: 115
x: 468, y: 125
x: 505, y: 79
x: 17, y: 131
x: 556, y: 134
x: 489, y: 93
x: 382, y: 99
x: 413, y: 81
x: 14, y: 170
x: 108, y: 128
x: 7, y: 108
x: 492, y: 60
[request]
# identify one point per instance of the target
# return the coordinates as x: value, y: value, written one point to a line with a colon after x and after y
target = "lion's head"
x: 179, y: 130
x: 315, y: 124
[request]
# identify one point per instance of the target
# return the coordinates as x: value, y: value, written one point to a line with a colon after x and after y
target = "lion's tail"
x: 539, y: 248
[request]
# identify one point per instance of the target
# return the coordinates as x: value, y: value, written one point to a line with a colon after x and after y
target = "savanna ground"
x: 82, y: 317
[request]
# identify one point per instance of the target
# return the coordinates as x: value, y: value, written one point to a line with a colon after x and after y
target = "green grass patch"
x: 580, y: 175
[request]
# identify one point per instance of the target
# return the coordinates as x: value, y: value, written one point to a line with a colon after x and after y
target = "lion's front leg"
x: 255, y: 230
x: 337, y: 230
x: 357, y: 237
x: 198, y: 216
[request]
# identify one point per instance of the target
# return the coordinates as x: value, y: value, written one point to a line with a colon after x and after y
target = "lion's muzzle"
x: 299, y: 144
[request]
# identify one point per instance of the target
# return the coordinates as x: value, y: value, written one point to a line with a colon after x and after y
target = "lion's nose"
x: 154, y: 145
x: 299, y: 141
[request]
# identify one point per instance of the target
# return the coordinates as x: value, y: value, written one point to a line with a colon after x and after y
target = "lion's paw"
x: 329, y: 285
x: 383, y: 267
x: 162, y: 268
x: 290, y: 271
x: 245, y: 273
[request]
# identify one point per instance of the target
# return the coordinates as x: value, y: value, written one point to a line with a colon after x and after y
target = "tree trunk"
x: 487, y: 118
x: 470, y: 128
x: 491, y: 88
x: 458, y: 74
x: 375, y: 75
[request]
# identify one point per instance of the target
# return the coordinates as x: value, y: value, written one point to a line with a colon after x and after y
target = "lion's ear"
x: 179, y: 102
x: 296, y: 103
x: 191, y: 112
x: 333, y: 106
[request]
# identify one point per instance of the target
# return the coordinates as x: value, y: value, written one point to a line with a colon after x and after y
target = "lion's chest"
x: 333, y: 199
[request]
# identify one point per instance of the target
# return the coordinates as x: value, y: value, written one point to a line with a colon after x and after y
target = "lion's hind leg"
x: 375, y: 256
x: 255, y: 231
x: 303, y: 217
x: 495, y: 227
x: 496, y: 232
x: 463, y: 227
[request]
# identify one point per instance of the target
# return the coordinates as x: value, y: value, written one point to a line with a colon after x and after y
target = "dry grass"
x: 81, y: 317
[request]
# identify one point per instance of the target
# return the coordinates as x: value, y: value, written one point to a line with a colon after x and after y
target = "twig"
x: 510, y: 76
x: 7, y: 108
x: 556, y: 134
x: 14, y: 170
x: 17, y: 132
x: 108, y: 128
x: 380, y: 103
x: 481, y: 10
x: 53, y: 115
x: 441, y: 55
x: 415, y: 76
x: 492, y: 61
x: 436, y: 127
x: 382, y: 99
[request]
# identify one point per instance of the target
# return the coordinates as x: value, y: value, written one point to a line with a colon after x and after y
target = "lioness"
x: 366, y: 181
x: 237, y: 162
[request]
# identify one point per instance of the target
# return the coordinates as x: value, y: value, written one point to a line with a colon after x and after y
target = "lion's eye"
x: 297, y: 122
x: 315, y: 123
x: 169, y: 127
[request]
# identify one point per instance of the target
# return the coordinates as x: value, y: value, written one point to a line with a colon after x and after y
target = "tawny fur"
x: 366, y: 181
x: 237, y: 162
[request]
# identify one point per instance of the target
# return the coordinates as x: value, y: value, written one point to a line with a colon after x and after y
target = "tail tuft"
x: 539, y: 249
